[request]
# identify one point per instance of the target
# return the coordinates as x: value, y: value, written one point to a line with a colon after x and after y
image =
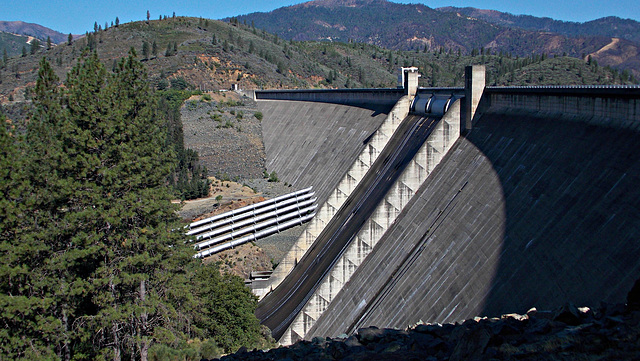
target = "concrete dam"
x: 441, y: 204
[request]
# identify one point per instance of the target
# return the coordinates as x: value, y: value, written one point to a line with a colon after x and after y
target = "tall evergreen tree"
x: 35, y: 313
x: 154, y: 49
x: 35, y: 46
x: 91, y: 267
x: 145, y: 50
x: 127, y: 167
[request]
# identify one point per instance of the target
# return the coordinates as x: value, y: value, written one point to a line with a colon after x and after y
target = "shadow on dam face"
x: 572, y: 205
x: 523, y: 212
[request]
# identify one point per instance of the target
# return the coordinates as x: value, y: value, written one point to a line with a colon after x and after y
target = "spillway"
x: 278, y: 308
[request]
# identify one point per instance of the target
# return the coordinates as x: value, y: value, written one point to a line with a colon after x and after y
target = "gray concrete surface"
x: 276, y: 309
x: 524, y: 212
x: 314, y: 144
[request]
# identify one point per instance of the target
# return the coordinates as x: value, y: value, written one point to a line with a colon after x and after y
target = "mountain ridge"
x: 419, y: 27
x: 31, y: 29
x: 609, y: 26
x: 207, y: 54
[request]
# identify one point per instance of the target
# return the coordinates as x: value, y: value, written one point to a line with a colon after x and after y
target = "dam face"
x: 524, y: 212
x: 314, y: 144
x: 538, y: 204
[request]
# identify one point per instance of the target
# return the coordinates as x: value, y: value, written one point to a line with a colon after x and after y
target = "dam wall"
x: 354, y: 97
x: 343, y: 183
x: 606, y: 106
x: 538, y: 205
x: 535, y: 206
x: 444, y: 134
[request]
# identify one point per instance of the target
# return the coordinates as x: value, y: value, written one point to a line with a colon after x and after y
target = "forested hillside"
x: 16, y: 37
x: 200, y: 54
x: 34, y: 30
x: 610, y: 26
x: 416, y: 26
x: 12, y: 45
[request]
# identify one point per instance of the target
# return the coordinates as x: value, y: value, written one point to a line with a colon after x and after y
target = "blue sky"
x: 79, y: 16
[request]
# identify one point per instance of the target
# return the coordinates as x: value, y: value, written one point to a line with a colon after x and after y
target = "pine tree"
x: 23, y: 305
x: 134, y: 173
x: 145, y: 50
x: 35, y: 46
x: 35, y: 283
x: 91, y: 267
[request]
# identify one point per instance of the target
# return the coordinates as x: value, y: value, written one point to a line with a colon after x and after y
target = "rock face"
x: 224, y: 130
x: 568, y: 333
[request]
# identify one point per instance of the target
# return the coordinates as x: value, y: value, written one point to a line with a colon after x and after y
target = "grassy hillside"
x: 211, y: 55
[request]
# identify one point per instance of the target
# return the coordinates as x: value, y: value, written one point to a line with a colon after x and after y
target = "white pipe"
x: 256, y: 219
x: 248, y: 208
x: 255, y: 236
x: 276, y: 220
x: 261, y: 208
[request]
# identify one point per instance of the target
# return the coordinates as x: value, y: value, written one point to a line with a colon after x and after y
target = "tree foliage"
x: 92, y: 268
x: 189, y: 179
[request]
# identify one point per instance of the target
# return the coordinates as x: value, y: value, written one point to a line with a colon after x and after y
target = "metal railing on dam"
x: 335, y: 96
x: 249, y: 223
x: 614, y: 106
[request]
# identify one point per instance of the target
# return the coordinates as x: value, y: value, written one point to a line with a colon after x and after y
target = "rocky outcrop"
x: 568, y: 333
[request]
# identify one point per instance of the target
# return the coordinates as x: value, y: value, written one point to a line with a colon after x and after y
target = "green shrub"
x: 180, y: 84
x: 273, y: 177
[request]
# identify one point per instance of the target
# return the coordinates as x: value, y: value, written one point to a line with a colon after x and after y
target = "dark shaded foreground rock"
x: 633, y: 298
x: 611, y: 332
